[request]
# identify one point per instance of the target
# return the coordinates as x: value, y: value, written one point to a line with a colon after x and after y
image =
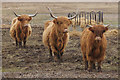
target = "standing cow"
x: 55, y: 35
x: 21, y: 29
x: 93, y: 46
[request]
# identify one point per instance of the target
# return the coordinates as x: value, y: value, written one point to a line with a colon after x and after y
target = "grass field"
x: 33, y: 62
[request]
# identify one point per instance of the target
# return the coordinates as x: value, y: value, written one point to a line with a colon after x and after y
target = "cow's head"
x: 25, y: 19
x: 98, y: 31
x: 61, y: 23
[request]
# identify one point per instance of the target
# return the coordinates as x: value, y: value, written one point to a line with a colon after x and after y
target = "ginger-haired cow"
x: 20, y: 29
x: 55, y: 35
x: 93, y: 46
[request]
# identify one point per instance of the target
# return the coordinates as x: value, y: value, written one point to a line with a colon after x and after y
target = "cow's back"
x: 47, y: 24
x: 14, y: 21
x: 84, y: 38
x: 46, y: 33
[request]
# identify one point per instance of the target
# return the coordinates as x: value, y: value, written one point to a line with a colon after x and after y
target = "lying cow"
x: 21, y: 29
x: 55, y: 35
x: 93, y: 46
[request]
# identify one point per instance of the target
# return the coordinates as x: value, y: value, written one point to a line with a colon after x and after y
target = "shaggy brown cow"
x: 93, y: 46
x: 55, y: 35
x: 21, y: 29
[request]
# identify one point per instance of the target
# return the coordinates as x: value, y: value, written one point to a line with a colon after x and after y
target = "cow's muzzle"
x: 98, y: 38
x: 65, y: 30
x: 26, y: 25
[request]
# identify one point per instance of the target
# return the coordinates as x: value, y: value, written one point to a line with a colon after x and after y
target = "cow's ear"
x: 20, y: 19
x: 106, y: 28
x: 91, y: 29
x: 70, y: 22
x: 30, y: 18
x: 55, y: 21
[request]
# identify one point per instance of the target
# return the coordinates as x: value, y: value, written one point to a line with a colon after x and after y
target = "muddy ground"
x: 33, y: 61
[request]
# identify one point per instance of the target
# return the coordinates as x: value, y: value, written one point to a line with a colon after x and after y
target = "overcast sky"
x: 60, y: 0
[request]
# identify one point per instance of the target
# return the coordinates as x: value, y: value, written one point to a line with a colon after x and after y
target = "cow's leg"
x: 19, y: 38
x: 55, y: 51
x: 86, y: 63
x: 90, y: 66
x: 51, y: 56
x: 94, y: 67
x: 61, y: 53
x: 16, y: 39
x: 55, y: 57
x: 24, y: 42
x: 50, y: 52
x: 16, y: 42
x: 58, y: 55
x: 20, y: 44
x: 99, y: 66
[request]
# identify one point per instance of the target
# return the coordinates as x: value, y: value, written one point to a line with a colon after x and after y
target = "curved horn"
x: 74, y: 15
x: 51, y: 14
x: 33, y: 15
x: 16, y: 14
x: 107, y: 25
x: 89, y: 26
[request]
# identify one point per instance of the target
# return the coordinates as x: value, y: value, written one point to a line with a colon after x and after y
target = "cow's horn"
x: 74, y: 15
x: 16, y: 14
x: 89, y: 26
x: 51, y: 14
x: 33, y: 15
x: 107, y: 25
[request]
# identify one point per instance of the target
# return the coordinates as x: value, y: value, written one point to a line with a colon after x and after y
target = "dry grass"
x: 75, y: 33
x: 112, y: 32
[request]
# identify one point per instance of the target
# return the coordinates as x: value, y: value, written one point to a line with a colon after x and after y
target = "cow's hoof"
x: 24, y: 46
x: 99, y: 70
x: 20, y: 46
x: 94, y: 68
x: 61, y: 60
x: 86, y: 68
x: 50, y: 58
x: 90, y: 70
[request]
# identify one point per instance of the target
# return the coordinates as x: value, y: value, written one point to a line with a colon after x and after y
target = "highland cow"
x: 55, y: 35
x: 93, y: 46
x: 21, y: 29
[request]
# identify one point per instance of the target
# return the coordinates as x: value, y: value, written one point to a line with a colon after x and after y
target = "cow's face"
x: 62, y: 24
x: 24, y: 19
x: 98, y: 31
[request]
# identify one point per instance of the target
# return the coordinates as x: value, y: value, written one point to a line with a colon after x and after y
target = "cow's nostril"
x: 65, y: 30
x: 26, y: 25
x: 98, y: 38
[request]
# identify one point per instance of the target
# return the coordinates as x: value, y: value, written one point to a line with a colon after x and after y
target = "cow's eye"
x: 103, y: 31
x: 61, y: 22
x: 92, y: 31
x: 20, y: 19
x: 57, y: 22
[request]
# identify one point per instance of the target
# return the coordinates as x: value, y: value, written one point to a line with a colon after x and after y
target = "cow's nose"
x: 26, y: 25
x: 98, y: 38
x: 65, y: 30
